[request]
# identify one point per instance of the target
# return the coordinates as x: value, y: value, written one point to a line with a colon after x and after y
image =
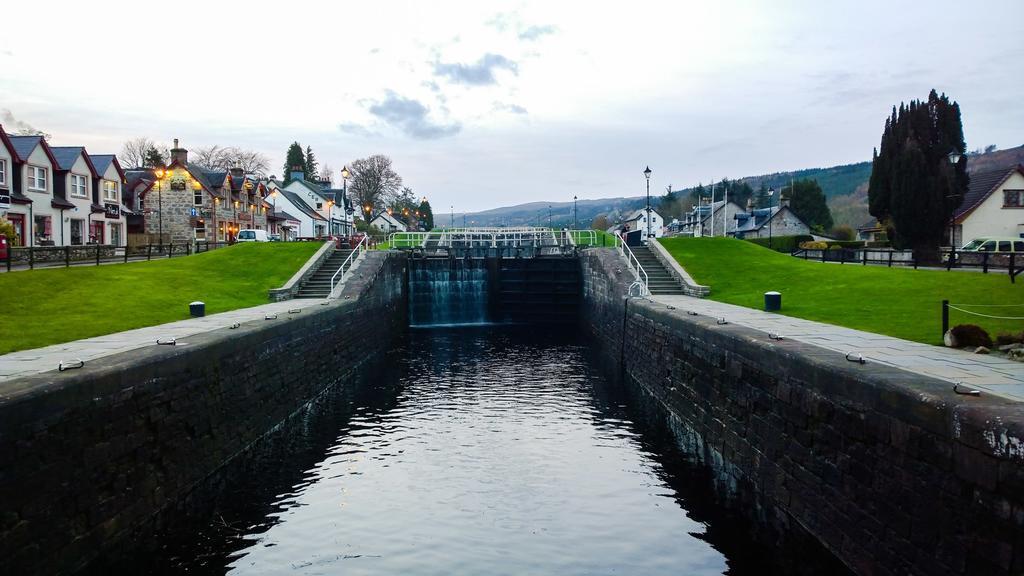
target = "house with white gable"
x: 387, y: 223
x: 993, y: 206
x: 35, y: 212
x: 638, y: 221
x: 106, y: 194
x: 329, y: 203
x: 73, y: 184
x: 7, y: 200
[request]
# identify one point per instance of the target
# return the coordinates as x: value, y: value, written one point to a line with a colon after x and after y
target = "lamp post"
x: 345, y: 174
x: 451, y: 224
x: 160, y: 173
x: 647, y: 175
x: 771, y: 194
x: 574, y: 226
x: 549, y: 216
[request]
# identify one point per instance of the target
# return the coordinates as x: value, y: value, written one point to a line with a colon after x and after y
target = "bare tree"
x: 142, y: 152
x: 225, y: 158
x: 374, y: 182
x: 327, y: 173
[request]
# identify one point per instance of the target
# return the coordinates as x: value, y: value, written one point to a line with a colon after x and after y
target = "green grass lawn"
x: 599, y: 238
x: 900, y: 302
x: 43, y: 307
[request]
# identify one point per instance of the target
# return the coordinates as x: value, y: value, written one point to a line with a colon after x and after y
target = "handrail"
x: 635, y: 264
x: 356, y: 252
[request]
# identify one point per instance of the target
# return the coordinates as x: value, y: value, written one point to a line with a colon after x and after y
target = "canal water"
x: 474, y: 451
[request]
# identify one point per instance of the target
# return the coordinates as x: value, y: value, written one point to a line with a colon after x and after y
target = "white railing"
x: 640, y: 281
x: 494, y: 237
x: 347, y: 264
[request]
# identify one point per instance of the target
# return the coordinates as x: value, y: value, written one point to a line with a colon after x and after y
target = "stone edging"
x: 287, y: 292
x: 690, y: 286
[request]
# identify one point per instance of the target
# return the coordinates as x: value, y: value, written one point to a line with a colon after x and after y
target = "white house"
x: 7, y: 201
x: 311, y: 222
x: 34, y: 210
x: 106, y: 194
x: 638, y: 221
x: 993, y: 206
x: 72, y: 188
x: 329, y: 203
x: 387, y: 223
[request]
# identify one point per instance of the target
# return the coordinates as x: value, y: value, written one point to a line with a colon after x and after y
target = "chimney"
x: 297, y: 173
x: 179, y: 155
x: 750, y: 204
x: 237, y: 172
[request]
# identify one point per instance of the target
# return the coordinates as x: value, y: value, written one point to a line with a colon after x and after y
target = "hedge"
x: 782, y: 243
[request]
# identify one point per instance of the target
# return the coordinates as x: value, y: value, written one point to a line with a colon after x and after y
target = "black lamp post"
x: 647, y: 174
x: 771, y: 194
x: 574, y: 225
x: 160, y: 173
x: 549, y: 215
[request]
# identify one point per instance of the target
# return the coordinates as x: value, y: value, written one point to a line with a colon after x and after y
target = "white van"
x: 252, y: 236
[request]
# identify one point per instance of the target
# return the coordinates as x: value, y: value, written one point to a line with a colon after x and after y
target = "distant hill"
x: 846, y: 188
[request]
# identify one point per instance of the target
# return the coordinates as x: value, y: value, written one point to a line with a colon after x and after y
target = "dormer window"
x: 37, y: 179
x: 78, y: 186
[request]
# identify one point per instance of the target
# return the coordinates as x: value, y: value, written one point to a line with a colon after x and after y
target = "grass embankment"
x: 899, y: 302
x: 43, y: 307
x: 593, y: 238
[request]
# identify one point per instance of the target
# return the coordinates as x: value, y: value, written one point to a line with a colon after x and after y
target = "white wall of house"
x: 78, y: 191
x: 333, y: 212
x: 307, y: 225
x: 41, y: 197
x: 657, y: 223
x: 992, y: 218
x: 7, y: 182
x: 115, y: 232
x: 387, y: 224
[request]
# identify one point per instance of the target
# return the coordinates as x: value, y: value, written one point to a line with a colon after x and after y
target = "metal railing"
x: 948, y: 258
x: 347, y: 264
x: 641, y: 280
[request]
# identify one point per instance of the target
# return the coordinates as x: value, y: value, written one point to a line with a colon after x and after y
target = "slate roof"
x: 315, y: 189
x: 982, y: 185
x: 58, y: 202
x: 103, y: 161
x: 871, y: 224
x: 66, y: 155
x: 24, y: 145
x: 301, y: 206
x: 638, y: 213
x: 755, y: 219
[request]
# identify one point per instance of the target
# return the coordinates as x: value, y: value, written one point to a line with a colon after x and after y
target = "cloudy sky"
x: 482, y: 104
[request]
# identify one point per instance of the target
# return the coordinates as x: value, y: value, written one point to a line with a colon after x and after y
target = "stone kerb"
x: 291, y: 287
x: 690, y: 286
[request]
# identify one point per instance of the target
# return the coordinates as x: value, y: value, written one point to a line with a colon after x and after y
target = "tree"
x: 762, y: 199
x: 914, y: 188
x: 374, y: 182
x: 600, y: 222
x: 807, y: 201
x: 142, y: 153
x: 295, y: 160
x: 426, y: 214
x: 225, y: 158
x: 312, y: 168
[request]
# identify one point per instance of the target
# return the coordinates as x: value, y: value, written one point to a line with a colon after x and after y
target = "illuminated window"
x: 110, y: 191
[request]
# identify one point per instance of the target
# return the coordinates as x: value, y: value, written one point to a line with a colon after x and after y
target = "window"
x: 41, y: 228
x: 37, y: 178
x: 77, y: 232
x: 197, y: 197
x: 1018, y: 246
x: 115, y: 234
x: 1004, y: 246
x: 200, y: 230
x: 220, y: 231
x: 1012, y: 198
x: 18, y: 220
x: 78, y: 186
x: 988, y: 246
x: 110, y: 191
x: 3, y: 172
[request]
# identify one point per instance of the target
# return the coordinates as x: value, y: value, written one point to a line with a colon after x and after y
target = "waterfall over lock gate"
x: 448, y: 291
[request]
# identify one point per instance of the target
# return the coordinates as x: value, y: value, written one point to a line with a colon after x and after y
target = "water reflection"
x: 497, y: 451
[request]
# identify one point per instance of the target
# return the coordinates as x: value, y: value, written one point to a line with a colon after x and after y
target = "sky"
x: 487, y: 104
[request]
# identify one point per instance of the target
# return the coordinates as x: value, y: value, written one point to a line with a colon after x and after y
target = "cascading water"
x: 448, y: 291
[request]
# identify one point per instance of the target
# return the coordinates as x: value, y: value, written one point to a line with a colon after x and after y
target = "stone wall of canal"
x: 891, y: 471
x: 92, y: 454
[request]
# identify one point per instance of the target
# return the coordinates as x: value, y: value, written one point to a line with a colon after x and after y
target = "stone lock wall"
x: 91, y: 454
x: 892, y: 472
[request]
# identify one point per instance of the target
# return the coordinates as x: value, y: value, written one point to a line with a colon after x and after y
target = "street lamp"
x: 160, y: 173
x: 574, y: 212
x: 771, y: 193
x: 647, y: 174
x: 345, y: 175
x: 452, y: 223
x: 549, y: 216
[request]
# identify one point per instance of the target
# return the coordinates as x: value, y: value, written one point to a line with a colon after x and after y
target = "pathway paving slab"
x: 994, y: 374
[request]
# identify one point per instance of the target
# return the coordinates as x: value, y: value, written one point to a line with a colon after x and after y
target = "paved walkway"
x: 39, y: 360
x: 988, y: 373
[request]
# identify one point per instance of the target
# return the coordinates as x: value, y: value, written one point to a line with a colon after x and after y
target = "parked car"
x: 999, y: 245
x: 252, y: 236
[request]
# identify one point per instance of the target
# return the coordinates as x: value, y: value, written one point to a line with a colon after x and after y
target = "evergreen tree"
x: 312, y: 167
x: 807, y: 201
x: 426, y: 214
x: 294, y: 160
x: 762, y: 200
x: 153, y: 158
x: 914, y: 188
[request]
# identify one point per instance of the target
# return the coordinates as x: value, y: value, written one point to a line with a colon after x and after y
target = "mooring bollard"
x: 772, y: 301
x: 197, y: 309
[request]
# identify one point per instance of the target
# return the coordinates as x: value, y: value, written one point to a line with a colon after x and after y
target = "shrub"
x: 814, y: 245
x: 781, y: 243
x: 844, y: 232
x: 846, y: 244
x: 971, y: 335
x: 7, y: 229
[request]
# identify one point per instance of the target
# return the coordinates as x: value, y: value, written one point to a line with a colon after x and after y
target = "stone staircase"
x: 660, y: 280
x: 319, y: 284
